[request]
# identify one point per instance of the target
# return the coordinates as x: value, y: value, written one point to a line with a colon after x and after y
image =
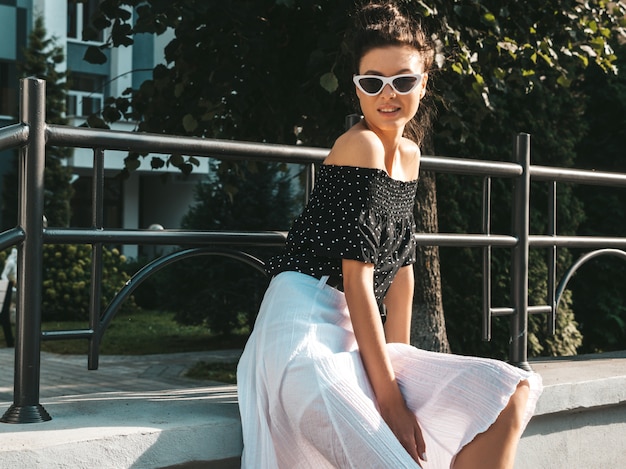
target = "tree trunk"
x: 428, y: 327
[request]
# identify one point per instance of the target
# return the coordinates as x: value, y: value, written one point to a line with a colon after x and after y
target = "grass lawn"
x: 149, y: 332
x: 143, y: 333
x: 223, y: 372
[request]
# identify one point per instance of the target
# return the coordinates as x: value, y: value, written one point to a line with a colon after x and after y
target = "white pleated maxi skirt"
x: 305, y: 400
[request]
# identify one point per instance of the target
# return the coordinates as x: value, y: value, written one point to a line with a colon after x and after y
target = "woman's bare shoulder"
x: 357, y: 147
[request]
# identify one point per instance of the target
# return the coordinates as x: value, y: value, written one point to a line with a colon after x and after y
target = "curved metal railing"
x: 32, y: 135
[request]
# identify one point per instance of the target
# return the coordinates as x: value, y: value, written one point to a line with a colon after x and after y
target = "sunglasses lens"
x: 405, y: 84
x: 371, y: 85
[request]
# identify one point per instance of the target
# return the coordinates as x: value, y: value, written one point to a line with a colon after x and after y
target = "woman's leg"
x: 496, y: 447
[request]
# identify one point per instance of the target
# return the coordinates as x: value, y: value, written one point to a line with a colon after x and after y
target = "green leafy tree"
x: 555, y: 121
x: 598, y: 286
x: 269, y: 66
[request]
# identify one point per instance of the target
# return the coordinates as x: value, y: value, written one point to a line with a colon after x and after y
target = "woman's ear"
x: 423, y: 85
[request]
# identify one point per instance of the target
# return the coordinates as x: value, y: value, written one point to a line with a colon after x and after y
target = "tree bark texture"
x: 428, y: 326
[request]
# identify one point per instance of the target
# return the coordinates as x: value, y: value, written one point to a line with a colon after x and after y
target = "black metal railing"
x: 32, y: 135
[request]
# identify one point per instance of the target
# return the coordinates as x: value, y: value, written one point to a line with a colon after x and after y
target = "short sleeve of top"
x: 353, y: 213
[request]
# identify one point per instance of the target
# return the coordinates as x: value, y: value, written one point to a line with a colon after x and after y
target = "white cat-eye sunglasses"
x: 372, y: 85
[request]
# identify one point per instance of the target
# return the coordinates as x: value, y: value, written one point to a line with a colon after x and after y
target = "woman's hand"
x: 405, y: 426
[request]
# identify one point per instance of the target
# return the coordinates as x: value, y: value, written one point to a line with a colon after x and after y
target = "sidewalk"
x: 63, y: 375
x: 133, y: 412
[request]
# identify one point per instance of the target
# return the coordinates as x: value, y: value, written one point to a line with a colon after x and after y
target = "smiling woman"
x: 327, y: 378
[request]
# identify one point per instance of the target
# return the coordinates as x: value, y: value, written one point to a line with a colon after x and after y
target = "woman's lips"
x: 388, y: 109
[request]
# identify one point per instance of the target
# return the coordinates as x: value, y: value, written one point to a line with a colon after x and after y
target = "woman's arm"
x: 399, y: 303
x: 358, y: 280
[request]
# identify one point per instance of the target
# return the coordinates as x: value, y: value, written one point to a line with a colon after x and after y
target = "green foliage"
x: 259, y: 77
x: 598, y: 286
x: 555, y: 123
x: 148, y: 294
x: 225, y: 294
x: 142, y: 332
x: 271, y: 66
x: 214, y: 371
x: 567, y: 338
x: 503, y: 83
x: 67, y: 280
x: 261, y: 74
x: 463, y: 306
x: 41, y: 59
x: 517, y: 47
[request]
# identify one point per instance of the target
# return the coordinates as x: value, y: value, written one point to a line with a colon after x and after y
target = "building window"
x: 86, y: 95
x: 8, y: 89
x: 79, y: 15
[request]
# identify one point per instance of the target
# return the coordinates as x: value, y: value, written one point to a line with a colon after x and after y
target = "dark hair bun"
x: 381, y: 24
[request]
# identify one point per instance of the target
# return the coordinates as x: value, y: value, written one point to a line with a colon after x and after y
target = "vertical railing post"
x: 552, y: 259
x: 519, y: 268
x: 309, y: 182
x: 487, y: 260
x: 26, y: 407
x: 97, y: 222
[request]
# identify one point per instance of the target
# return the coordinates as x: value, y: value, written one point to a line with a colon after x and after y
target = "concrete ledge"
x: 129, y: 430
x: 582, y: 382
x: 580, y: 421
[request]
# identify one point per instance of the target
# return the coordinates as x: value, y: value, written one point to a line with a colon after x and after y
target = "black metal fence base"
x: 25, y: 414
x: 523, y: 365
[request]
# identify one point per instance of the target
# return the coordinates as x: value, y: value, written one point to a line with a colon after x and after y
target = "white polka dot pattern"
x: 353, y: 213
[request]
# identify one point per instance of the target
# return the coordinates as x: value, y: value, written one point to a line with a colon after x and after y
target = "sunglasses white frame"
x: 388, y: 81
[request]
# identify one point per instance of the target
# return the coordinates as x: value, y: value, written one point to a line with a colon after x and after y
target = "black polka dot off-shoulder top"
x: 353, y: 213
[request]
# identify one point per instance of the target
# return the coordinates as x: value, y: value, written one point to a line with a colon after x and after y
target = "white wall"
x: 159, y: 45
x: 121, y: 66
x: 54, y: 13
x: 587, y: 438
x: 130, y: 213
x: 9, y: 31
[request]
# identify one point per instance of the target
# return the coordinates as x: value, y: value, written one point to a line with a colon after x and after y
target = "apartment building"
x: 140, y: 201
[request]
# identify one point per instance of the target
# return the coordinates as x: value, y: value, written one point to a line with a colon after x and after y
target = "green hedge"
x: 67, y: 281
